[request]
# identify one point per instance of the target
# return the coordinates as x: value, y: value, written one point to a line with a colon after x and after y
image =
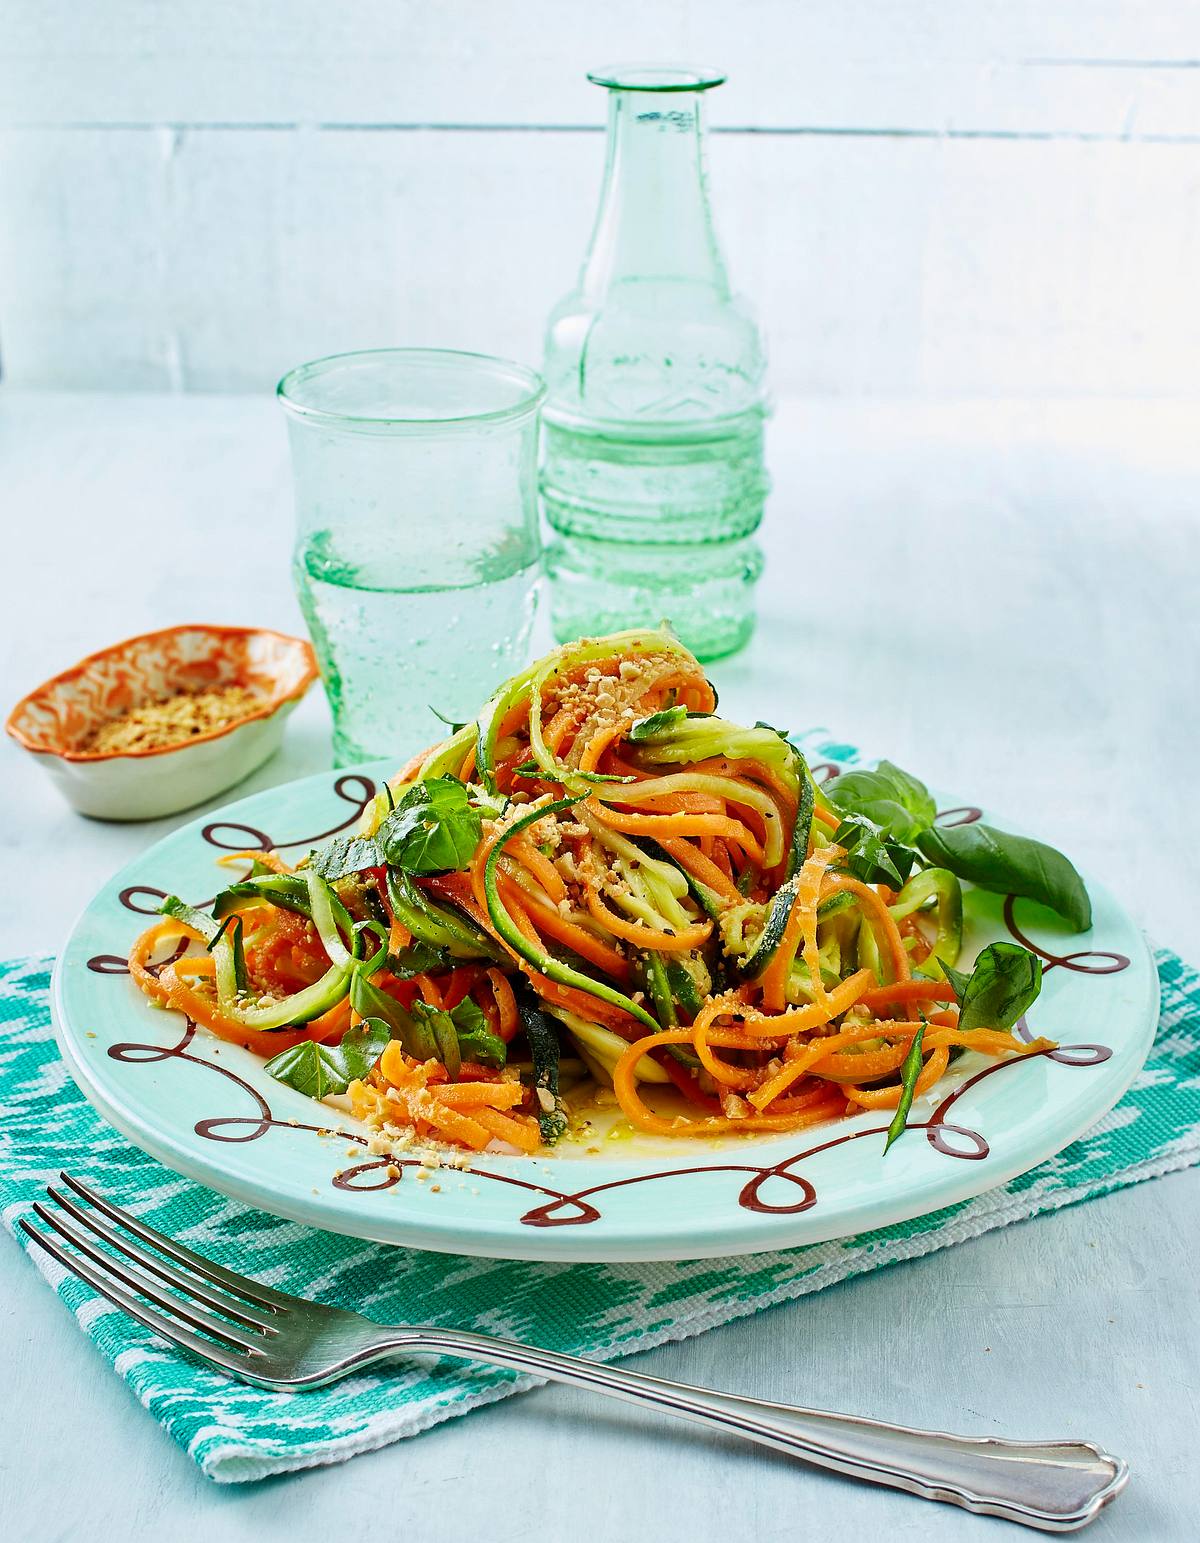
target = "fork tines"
x: 169, y: 1288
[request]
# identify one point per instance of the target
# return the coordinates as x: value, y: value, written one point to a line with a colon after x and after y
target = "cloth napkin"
x: 236, y: 1433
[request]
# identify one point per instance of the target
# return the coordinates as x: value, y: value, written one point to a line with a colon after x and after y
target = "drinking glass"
x: 417, y: 545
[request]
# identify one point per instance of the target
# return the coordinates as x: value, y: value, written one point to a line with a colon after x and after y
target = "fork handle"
x: 1055, y: 1486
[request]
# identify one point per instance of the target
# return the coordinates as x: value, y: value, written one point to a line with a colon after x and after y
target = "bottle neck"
x: 654, y: 221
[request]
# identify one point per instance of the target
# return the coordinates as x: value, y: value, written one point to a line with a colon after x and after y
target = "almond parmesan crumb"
x: 186, y: 715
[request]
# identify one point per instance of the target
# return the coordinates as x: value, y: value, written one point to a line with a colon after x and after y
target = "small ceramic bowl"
x: 60, y: 716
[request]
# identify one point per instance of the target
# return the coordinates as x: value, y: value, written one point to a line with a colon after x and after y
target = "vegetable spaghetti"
x: 602, y: 883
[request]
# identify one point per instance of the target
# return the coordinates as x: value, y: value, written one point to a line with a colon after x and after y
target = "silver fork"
x: 266, y: 1337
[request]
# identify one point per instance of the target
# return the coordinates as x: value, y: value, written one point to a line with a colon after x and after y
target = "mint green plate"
x: 208, y: 1110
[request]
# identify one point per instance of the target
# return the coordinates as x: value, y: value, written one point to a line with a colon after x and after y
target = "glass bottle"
x: 652, y: 473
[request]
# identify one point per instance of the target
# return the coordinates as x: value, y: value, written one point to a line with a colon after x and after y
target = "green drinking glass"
x: 417, y: 546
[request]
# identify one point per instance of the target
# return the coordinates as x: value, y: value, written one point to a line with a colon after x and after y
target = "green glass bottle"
x: 653, y: 480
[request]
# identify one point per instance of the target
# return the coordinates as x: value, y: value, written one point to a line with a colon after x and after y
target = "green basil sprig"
x: 1003, y: 984
x: 657, y: 723
x: 449, y: 722
x: 345, y: 855
x: 318, y: 1070
x: 903, y: 809
x: 419, y: 958
x: 909, y: 1073
x: 462, y: 1034
x: 898, y: 803
x: 433, y: 829
x: 199, y: 921
x: 1010, y: 865
x: 872, y: 855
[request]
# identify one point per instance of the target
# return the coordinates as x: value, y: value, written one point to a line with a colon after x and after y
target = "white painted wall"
x: 920, y: 196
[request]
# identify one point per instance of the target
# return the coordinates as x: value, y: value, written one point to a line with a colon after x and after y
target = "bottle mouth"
x: 655, y: 77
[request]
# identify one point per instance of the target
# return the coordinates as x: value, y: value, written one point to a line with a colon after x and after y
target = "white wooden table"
x: 1012, y: 613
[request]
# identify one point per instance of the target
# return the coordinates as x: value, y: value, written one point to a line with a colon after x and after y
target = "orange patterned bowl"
x: 57, y: 720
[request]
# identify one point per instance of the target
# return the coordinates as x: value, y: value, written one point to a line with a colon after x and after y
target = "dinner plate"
x: 208, y: 1110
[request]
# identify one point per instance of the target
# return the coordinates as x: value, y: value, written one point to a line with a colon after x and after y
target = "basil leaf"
x: 1010, y: 865
x: 345, y: 855
x: 909, y: 1073
x: 959, y: 979
x: 462, y: 1034
x: 439, y: 1025
x: 1004, y: 983
x: 656, y: 723
x: 898, y: 803
x: 199, y: 921
x: 371, y: 1001
x: 872, y: 856
x: 419, y: 958
x: 433, y: 829
x: 476, y: 1041
x: 318, y: 1070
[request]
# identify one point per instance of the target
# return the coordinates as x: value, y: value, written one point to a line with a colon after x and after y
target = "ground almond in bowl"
x: 173, y: 721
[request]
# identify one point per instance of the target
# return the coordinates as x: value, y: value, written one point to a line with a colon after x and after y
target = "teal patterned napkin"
x: 238, y: 1433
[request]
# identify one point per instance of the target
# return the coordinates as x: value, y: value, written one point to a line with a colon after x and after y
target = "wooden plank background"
x: 919, y: 198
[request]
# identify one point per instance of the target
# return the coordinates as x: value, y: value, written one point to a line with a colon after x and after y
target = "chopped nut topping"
x: 174, y: 721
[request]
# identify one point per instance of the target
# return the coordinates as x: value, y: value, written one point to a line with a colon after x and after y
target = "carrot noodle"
x: 555, y: 925
x: 888, y: 1098
x: 145, y: 945
x: 700, y: 866
x: 471, y: 1095
x: 540, y: 866
x: 844, y: 884
x: 659, y: 825
x: 639, y: 1114
x: 681, y: 942
x: 270, y: 860
x: 599, y: 743
x: 506, y: 1003
x: 801, y: 925
x: 202, y: 1008
x: 517, y: 1132
x: 429, y: 989
x: 655, y: 873
x: 908, y: 991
